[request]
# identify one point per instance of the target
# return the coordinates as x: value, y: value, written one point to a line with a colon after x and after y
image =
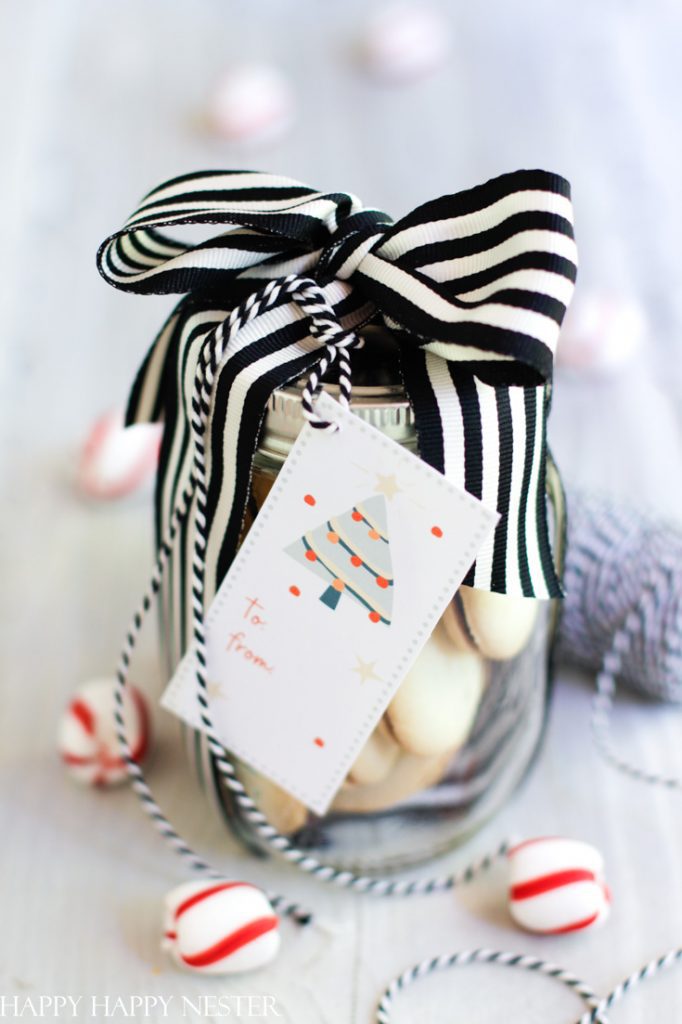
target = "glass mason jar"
x: 463, y: 727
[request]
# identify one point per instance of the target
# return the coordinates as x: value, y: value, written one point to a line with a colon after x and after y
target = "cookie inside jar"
x: 462, y: 727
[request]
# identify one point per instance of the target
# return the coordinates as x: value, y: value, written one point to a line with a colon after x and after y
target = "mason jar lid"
x: 378, y: 398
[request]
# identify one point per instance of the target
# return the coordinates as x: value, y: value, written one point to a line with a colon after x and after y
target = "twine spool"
x: 615, y: 555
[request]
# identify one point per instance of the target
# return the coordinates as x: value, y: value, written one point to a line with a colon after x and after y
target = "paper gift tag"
x: 350, y: 563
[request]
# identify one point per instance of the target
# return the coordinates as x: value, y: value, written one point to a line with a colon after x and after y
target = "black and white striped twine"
x: 650, y: 970
x: 487, y: 956
x: 598, y: 1006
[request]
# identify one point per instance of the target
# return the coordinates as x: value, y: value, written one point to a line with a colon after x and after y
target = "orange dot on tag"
x: 436, y: 531
x: 295, y: 591
x: 356, y: 517
x: 332, y: 537
x: 373, y: 535
x: 356, y: 561
x: 318, y: 742
x: 375, y: 617
x: 382, y: 582
x: 339, y: 585
x: 310, y: 555
x: 309, y: 500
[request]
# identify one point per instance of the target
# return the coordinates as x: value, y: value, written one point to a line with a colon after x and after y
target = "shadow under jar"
x: 464, y: 725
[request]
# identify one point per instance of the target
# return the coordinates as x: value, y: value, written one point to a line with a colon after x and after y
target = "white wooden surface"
x: 102, y: 101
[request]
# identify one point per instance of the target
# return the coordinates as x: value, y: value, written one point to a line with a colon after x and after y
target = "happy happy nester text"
x: 134, y: 1007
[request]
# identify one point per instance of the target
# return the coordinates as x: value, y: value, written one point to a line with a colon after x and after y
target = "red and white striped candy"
x: 117, y: 459
x: 87, y: 739
x: 252, y: 103
x: 218, y: 927
x: 557, y: 886
x: 404, y: 40
x: 602, y: 332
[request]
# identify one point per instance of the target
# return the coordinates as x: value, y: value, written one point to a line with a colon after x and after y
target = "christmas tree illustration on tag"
x: 351, y: 553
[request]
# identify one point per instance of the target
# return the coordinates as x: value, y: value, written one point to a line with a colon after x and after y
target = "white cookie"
x: 435, y: 705
x: 453, y: 624
x: 376, y: 758
x: 500, y: 625
x: 409, y: 775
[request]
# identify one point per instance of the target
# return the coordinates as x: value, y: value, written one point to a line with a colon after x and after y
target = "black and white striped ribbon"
x: 474, y: 286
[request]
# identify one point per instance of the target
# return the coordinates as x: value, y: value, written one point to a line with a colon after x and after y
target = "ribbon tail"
x: 491, y: 441
x: 146, y: 398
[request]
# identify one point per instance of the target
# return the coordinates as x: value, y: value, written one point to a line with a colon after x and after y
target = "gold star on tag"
x: 215, y: 691
x: 365, y: 669
x: 387, y: 485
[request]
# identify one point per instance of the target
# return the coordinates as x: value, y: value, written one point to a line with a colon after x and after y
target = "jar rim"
x: 385, y: 407
x: 383, y: 404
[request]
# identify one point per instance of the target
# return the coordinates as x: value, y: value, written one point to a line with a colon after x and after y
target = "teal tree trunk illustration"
x: 351, y: 552
x: 331, y: 597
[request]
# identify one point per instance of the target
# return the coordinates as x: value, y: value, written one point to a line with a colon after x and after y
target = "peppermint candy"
x: 404, y: 41
x: 220, y: 927
x: 116, y: 459
x: 252, y: 103
x: 87, y: 740
x: 557, y: 886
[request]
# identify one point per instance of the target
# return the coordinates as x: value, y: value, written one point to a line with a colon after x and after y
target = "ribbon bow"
x: 474, y: 286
